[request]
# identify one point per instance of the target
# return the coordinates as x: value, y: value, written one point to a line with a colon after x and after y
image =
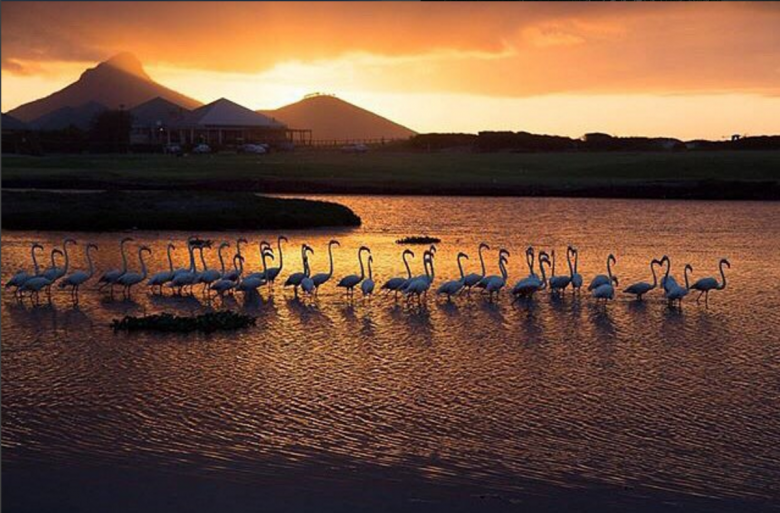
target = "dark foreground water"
x: 337, y: 405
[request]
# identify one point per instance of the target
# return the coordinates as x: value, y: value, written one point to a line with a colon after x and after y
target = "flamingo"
x: 368, y: 284
x: 187, y: 277
x: 452, y: 287
x: 641, y: 288
x: 559, y: 283
x: 395, y: 284
x: 667, y: 282
x: 705, y: 285
x: 78, y: 278
x: 130, y: 279
x: 606, y: 291
x: 496, y: 283
x: 109, y: 278
x: 256, y: 280
x: 265, y: 248
x: 208, y: 276
x: 307, y: 284
x: 604, y: 279
x: 163, y: 277
x: 474, y: 278
x: 274, y: 272
x: 320, y: 278
x: 235, y: 274
x: 350, y: 282
x: 419, y: 286
x: 482, y: 284
x: 576, y: 277
x: 295, y: 279
x: 54, y: 273
x: 227, y: 284
x: 676, y: 292
x: 531, y: 284
x: 20, y: 277
x: 37, y: 283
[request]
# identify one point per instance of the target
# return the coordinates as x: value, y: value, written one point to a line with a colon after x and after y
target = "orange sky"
x: 683, y: 69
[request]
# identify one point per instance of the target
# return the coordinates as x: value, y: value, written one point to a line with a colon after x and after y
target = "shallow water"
x: 501, y: 397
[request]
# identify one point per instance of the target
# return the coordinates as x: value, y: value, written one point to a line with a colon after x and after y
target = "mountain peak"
x: 127, y: 62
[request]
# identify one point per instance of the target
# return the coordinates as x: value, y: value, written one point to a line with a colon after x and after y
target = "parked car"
x: 257, y: 149
x: 173, y: 149
x: 354, y: 148
x: 202, y: 148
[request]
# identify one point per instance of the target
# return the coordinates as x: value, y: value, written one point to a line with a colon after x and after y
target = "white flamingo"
x: 641, y: 288
x: 78, y: 278
x: 395, y: 284
x: 20, y: 277
x: 235, y: 274
x: 419, y: 286
x: 208, y: 276
x: 676, y: 292
x: 37, y: 283
x: 265, y: 249
x: 604, y: 279
x: 320, y: 279
x: 496, y: 283
x: 532, y: 283
x: 295, y: 279
x: 274, y: 272
x: 130, y: 279
x: 705, y: 285
x: 667, y: 282
x: 163, y: 277
x: 606, y: 291
x: 256, y: 280
x: 225, y: 285
x: 482, y: 284
x: 185, y: 278
x: 54, y: 273
x: 427, y: 256
x: 109, y: 278
x: 576, y: 277
x: 472, y: 279
x: 350, y: 282
x: 367, y: 287
x: 559, y: 283
x: 453, y: 287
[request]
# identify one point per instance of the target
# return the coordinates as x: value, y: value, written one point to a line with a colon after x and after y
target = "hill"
x: 331, y: 118
x: 118, y: 81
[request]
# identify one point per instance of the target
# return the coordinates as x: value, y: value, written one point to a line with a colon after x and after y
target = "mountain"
x: 79, y: 117
x: 119, y: 81
x: 332, y: 118
x: 12, y: 124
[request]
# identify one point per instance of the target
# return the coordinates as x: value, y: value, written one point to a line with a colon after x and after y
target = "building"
x: 154, y: 121
x: 224, y: 123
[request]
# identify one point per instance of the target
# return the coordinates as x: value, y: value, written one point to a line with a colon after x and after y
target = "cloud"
x: 497, y: 49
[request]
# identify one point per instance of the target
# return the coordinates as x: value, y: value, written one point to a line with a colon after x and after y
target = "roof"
x: 158, y: 112
x: 226, y: 113
x: 11, y: 123
x: 79, y: 117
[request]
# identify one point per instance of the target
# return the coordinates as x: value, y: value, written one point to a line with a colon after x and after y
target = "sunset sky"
x: 681, y: 69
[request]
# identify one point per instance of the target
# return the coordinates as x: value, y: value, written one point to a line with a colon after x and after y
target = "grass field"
x: 168, y: 210
x: 685, y: 174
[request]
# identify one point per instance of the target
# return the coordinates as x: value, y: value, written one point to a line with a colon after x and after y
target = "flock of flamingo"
x: 228, y: 280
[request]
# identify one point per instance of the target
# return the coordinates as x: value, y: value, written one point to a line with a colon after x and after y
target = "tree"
x: 110, y: 131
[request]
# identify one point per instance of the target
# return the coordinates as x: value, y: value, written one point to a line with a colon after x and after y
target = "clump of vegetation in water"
x: 168, y: 323
x: 419, y: 239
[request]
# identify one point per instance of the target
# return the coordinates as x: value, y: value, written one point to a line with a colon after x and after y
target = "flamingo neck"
x: 502, y: 267
x: 221, y: 259
x: 360, y: 259
x: 192, y: 259
x: 544, y: 276
x: 655, y: 278
x: 263, y: 257
x: 722, y: 285
x: 67, y: 260
x: 460, y: 267
x: 576, y: 260
x: 370, y: 271
x: 433, y: 273
x: 35, y: 260
x: 568, y: 260
x: 530, y: 259
x: 687, y: 286
x: 406, y: 263
x: 89, y: 261
x: 553, y: 264
x: 143, y: 264
x: 281, y: 256
x: 609, y: 268
x: 482, y: 260
x: 330, y: 257
x: 203, y: 260
x: 170, y: 260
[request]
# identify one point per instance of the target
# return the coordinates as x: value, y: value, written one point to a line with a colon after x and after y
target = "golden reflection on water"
x: 558, y: 390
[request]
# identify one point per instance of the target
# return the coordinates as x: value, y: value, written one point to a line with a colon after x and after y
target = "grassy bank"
x: 160, y: 210
x: 722, y: 174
